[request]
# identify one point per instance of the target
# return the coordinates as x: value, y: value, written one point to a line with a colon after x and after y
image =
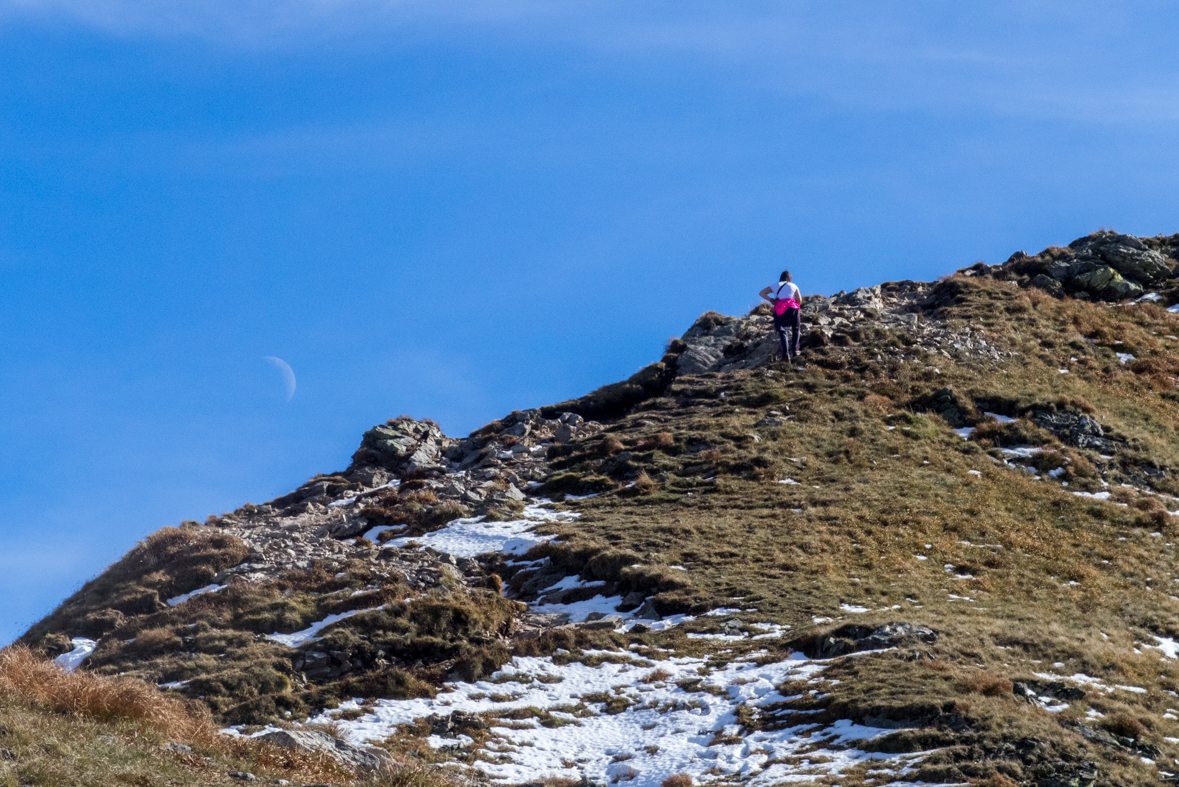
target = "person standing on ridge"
x: 787, y: 303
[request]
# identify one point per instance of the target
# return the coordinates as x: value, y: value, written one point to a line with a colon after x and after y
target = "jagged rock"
x: 1076, y: 429
x: 1048, y: 284
x: 1104, y: 283
x: 648, y: 611
x: 862, y: 298
x: 1104, y: 266
x: 631, y: 600
x: 362, y: 758
x: 402, y: 445
x: 706, y: 341
x: 1127, y: 254
x: 369, y: 476
x: 853, y: 638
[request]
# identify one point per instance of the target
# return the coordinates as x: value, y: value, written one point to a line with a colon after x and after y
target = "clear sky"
x: 457, y: 209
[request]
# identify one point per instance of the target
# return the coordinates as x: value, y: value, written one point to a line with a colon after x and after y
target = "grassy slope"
x: 1076, y: 582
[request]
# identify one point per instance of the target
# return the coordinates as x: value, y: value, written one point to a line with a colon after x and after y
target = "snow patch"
x: 663, y: 730
x: 309, y: 634
x: 82, y: 649
x: 473, y: 536
x: 186, y: 596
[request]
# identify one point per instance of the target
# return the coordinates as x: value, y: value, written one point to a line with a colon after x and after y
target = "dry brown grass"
x: 645, y: 483
x: 420, y: 496
x: 26, y: 678
x: 656, y: 442
x: 677, y: 780
x: 57, y: 714
x: 612, y: 445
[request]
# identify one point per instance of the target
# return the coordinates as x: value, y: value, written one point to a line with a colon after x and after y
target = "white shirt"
x: 788, y: 290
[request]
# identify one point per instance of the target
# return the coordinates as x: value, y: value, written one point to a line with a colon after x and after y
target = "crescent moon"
x: 288, y: 374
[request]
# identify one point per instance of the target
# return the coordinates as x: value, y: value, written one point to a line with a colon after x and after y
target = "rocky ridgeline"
x: 1104, y: 266
x: 491, y: 471
x: 481, y: 475
x: 900, y: 311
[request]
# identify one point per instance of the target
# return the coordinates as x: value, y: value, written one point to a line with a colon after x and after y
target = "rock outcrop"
x: 365, y: 759
x: 1104, y: 266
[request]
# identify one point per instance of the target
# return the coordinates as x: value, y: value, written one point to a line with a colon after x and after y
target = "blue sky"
x: 453, y: 211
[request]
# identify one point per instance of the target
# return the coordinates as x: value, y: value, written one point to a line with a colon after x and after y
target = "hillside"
x: 938, y: 551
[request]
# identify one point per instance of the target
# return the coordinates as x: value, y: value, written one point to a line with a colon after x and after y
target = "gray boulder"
x: 362, y: 758
x: 402, y: 445
x: 1048, y: 284
x: 1129, y: 256
x: 1105, y: 283
x: 700, y: 358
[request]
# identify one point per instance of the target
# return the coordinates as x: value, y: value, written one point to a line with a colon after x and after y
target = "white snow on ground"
x: 1022, y: 451
x: 578, y: 611
x: 1168, y: 646
x: 372, y: 534
x: 965, y: 432
x: 471, y: 537
x: 1173, y: 309
x: 308, y: 634
x: 350, y: 500
x: 1094, y: 495
x: 854, y: 609
x: 1088, y: 680
x: 788, y: 481
x: 1124, y: 357
x: 665, y: 730
x: 1003, y: 419
x: 82, y: 649
x: 186, y: 596
x: 571, y: 582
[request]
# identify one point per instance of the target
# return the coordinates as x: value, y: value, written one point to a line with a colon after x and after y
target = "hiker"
x: 787, y: 303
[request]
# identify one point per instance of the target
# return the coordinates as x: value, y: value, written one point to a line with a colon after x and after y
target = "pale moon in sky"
x: 288, y: 374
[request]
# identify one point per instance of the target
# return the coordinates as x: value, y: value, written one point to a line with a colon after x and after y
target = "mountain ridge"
x: 721, y: 513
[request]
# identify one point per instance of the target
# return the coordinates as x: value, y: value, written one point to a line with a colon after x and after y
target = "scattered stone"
x: 605, y: 623
x: 854, y: 638
x: 362, y: 758
x: 458, y: 721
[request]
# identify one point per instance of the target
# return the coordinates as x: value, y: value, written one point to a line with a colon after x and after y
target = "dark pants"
x: 790, y: 320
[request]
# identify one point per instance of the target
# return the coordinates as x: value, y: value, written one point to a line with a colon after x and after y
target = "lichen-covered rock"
x: 1126, y: 254
x: 1105, y: 283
